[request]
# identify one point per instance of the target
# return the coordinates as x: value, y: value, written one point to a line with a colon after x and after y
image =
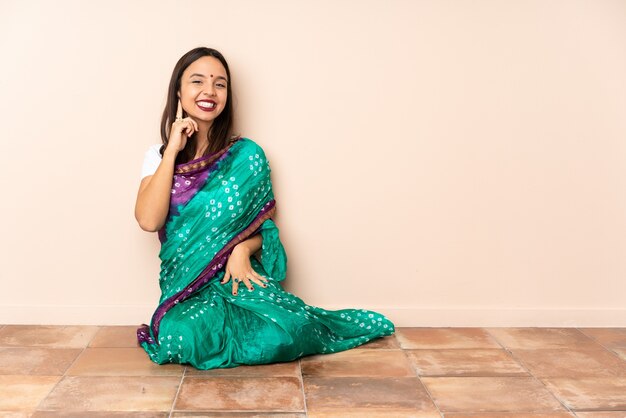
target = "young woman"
x: 209, y: 195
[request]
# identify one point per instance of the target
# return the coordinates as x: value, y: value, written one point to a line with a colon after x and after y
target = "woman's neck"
x: 202, y: 143
x: 200, y: 148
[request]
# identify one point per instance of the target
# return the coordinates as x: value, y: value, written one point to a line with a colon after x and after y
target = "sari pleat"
x: 217, y: 202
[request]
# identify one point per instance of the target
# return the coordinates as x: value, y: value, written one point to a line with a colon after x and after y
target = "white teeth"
x: 207, y: 105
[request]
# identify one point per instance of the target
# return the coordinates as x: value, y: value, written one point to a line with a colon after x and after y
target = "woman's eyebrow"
x: 200, y: 75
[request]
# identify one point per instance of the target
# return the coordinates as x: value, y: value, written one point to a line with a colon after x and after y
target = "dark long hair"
x: 221, y: 128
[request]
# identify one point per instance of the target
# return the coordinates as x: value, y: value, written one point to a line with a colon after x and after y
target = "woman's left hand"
x: 239, y: 268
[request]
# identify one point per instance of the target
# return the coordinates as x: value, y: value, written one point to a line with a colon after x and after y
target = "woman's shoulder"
x: 249, y: 146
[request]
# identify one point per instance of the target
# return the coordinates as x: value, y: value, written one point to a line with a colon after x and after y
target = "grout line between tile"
x: 64, y: 375
x: 306, y: 413
x: 599, y: 343
x: 419, y: 379
x: 180, y: 384
x: 369, y: 349
x: 48, y: 346
x: 521, y: 363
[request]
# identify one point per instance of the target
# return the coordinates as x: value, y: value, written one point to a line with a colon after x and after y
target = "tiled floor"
x: 90, y: 371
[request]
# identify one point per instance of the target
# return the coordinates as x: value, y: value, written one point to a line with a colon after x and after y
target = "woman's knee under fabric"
x: 221, y: 325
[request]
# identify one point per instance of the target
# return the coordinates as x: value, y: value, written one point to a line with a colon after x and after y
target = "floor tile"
x: 239, y: 415
x: 108, y: 393
x: 240, y: 393
x: 608, y: 393
x: 510, y: 415
x: 369, y: 413
x: 291, y: 369
x: 441, y: 338
x: 566, y: 362
x: 99, y: 414
x: 490, y: 394
x: 389, y: 341
x: 465, y: 362
x: 37, y: 361
x: 466, y: 370
x: 120, y: 336
x: 531, y: 338
x: 358, y: 362
x: 101, y: 361
x: 46, y: 336
x: 20, y: 393
x: 357, y: 394
x: 608, y: 337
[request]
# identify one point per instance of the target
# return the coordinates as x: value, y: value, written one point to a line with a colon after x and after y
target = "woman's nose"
x: 210, y: 91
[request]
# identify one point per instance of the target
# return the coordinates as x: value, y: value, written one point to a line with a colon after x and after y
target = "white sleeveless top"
x: 151, y: 160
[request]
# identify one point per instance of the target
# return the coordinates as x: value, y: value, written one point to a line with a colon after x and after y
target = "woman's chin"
x: 205, y: 120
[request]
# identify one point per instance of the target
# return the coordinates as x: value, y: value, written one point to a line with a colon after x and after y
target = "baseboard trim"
x: 76, y: 314
x: 506, y: 317
x: 402, y: 317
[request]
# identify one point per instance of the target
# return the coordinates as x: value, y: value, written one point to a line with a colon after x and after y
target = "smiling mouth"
x: 206, y: 106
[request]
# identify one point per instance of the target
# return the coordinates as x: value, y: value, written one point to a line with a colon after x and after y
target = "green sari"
x: 218, y: 201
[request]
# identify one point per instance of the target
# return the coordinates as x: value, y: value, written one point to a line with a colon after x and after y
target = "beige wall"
x: 444, y: 162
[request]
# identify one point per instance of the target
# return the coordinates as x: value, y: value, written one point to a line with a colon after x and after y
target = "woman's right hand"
x: 180, y: 131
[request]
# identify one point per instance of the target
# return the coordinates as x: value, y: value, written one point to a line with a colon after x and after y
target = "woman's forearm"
x: 251, y: 245
x: 153, y: 201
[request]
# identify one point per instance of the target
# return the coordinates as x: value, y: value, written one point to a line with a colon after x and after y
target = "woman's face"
x: 203, y: 89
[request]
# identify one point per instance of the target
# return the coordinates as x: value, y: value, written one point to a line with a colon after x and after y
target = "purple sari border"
x: 208, y: 164
x: 143, y: 334
x: 219, y: 261
x: 193, y: 166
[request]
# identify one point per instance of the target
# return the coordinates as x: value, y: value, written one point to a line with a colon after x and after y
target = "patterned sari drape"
x: 217, y: 202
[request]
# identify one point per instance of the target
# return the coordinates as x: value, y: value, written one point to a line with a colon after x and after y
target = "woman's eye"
x: 221, y: 85
x: 197, y: 81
